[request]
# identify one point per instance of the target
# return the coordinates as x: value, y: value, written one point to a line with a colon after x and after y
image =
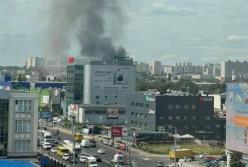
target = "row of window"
x: 182, y: 118
x: 23, y: 126
x: 141, y: 124
x: 139, y: 104
x: 179, y: 107
x: 162, y: 128
x: 139, y: 115
x: 23, y: 106
x: 22, y: 146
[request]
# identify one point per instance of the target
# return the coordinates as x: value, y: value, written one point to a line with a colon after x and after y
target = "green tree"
x: 236, y: 158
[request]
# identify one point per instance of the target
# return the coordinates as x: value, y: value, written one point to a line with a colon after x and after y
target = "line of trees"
x: 185, y: 85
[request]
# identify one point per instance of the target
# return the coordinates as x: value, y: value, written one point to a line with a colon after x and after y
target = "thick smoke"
x: 96, y: 22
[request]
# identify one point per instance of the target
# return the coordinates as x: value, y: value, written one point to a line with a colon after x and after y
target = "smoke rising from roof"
x: 96, y: 22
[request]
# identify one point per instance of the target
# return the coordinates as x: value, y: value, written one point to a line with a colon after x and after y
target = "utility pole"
x: 175, y: 146
x: 74, y: 133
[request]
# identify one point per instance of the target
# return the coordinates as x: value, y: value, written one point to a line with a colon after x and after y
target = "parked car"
x: 66, y: 157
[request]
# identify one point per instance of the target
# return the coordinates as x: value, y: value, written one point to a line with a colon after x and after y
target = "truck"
x: 119, y: 159
x: 181, y: 153
x: 44, y: 136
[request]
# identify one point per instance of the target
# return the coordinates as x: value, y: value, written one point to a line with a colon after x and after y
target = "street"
x: 142, y: 159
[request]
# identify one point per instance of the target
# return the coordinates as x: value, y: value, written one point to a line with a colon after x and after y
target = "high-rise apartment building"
x: 142, y: 67
x: 156, y: 68
x: 18, y: 124
x: 35, y: 63
x: 234, y: 71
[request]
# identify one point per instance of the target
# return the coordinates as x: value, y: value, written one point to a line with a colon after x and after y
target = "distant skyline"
x: 170, y: 31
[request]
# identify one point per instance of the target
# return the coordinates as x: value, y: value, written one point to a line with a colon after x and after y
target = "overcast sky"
x: 198, y: 31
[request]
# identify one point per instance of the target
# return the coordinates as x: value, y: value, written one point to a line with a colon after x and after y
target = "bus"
x: 62, y: 150
x: 78, y: 137
x: 69, y: 145
x: 44, y: 136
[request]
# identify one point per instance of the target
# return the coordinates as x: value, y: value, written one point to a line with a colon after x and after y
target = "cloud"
x: 168, y: 56
x: 237, y: 39
x: 210, y: 59
x: 163, y: 9
x: 221, y: 48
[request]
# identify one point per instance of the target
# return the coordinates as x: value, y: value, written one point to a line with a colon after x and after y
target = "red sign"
x: 70, y: 60
x: 116, y: 131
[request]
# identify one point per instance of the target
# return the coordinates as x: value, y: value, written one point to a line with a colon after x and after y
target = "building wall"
x: 4, y: 122
x: 75, y: 84
x: 234, y: 70
x: 97, y: 115
x: 190, y: 114
x: 140, y: 112
x: 22, y: 136
x: 156, y: 68
x: 108, y: 84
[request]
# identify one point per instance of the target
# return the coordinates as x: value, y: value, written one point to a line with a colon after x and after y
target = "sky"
x: 170, y: 31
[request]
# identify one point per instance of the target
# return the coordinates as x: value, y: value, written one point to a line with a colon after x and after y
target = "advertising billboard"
x: 116, y: 131
x: 112, y: 113
x: 237, y: 117
x: 113, y: 77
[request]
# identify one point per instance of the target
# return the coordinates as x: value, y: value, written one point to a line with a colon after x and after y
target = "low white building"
x: 18, y: 124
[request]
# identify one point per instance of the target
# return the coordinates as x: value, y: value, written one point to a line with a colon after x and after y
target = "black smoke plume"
x: 97, y: 24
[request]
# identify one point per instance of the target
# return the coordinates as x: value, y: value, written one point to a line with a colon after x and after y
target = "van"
x: 91, y: 162
x: 85, y: 143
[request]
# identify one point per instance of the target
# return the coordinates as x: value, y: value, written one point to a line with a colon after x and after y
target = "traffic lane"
x: 78, y: 164
x: 110, y: 151
x: 141, y: 159
x: 60, y: 159
x: 70, y: 137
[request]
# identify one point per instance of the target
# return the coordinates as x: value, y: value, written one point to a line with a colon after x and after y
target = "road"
x: 142, y: 159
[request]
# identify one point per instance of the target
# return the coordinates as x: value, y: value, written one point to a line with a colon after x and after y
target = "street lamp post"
x: 175, y: 146
x: 74, y: 142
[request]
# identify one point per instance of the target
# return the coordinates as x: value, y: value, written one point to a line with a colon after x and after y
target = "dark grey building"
x: 75, y: 84
x: 189, y: 114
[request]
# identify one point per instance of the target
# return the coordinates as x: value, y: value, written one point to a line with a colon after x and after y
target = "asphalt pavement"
x: 141, y: 158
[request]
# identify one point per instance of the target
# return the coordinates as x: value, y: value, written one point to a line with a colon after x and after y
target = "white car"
x: 53, y: 150
x: 185, y: 159
x: 83, y: 158
x: 101, y: 151
x: 66, y: 157
x: 46, y: 146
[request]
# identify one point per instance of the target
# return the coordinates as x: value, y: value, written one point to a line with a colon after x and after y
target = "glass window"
x: 23, y: 126
x: 22, y: 146
x: 193, y: 107
x: 170, y: 107
x: 177, y: 107
x: 23, y: 106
